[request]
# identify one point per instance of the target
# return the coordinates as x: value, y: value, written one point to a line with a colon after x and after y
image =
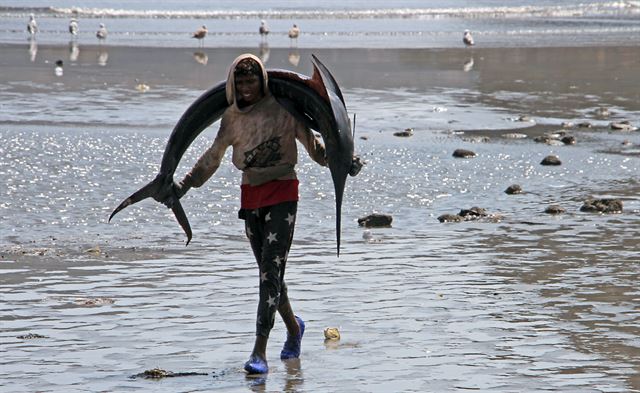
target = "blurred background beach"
x: 523, y: 301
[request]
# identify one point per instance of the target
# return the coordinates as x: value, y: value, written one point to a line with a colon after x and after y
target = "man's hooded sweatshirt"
x: 263, y: 137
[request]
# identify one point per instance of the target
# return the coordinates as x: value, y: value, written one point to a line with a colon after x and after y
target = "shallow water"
x: 529, y: 302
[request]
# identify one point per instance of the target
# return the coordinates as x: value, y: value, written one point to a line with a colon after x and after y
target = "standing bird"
x: 73, y: 27
x: 294, y: 33
x: 32, y: 26
x: 200, y: 34
x: 467, y: 38
x: 58, y: 70
x: 101, y: 33
x: 264, y: 30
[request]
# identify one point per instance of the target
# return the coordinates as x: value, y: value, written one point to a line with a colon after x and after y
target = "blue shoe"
x: 291, y: 349
x: 255, y: 365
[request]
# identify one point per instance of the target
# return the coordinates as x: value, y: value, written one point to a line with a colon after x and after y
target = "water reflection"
x: 264, y: 52
x: 294, y: 57
x: 103, y: 57
x: 33, y: 49
x: 294, y: 375
x: 201, y: 57
x: 74, y: 50
x: 468, y: 65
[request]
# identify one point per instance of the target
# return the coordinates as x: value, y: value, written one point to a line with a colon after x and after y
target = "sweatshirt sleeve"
x: 209, y: 162
x: 312, y: 144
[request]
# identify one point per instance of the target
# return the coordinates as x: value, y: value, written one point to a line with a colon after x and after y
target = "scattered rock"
x: 568, y: 140
x: 567, y: 124
x: 513, y: 189
x: 450, y: 218
x: 602, y: 206
x: 158, y: 373
x: 463, y: 153
x: 602, y: 113
x: 551, y: 160
x: 31, y: 336
x: 375, y: 220
x: 93, y: 250
x: 622, y: 126
x: 514, y: 135
x: 473, y: 212
x: 627, y: 142
x: 547, y: 139
x: 364, y: 137
x: 94, y: 302
x: 477, y: 139
x: 331, y: 333
x: 406, y: 133
x: 525, y: 118
x: 584, y: 124
x: 554, y: 209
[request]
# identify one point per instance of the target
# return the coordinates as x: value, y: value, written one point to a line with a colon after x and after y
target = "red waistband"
x: 268, y: 194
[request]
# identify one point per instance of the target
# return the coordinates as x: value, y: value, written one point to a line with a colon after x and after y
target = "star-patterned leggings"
x: 270, y: 231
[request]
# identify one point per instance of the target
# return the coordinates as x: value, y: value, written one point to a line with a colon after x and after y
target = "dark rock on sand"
x: 473, y: 212
x: 158, y: 373
x: 406, y: 133
x: 584, y: 124
x: 602, y: 206
x: 554, y: 209
x: 375, y: 220
x: 364, y: 138
x: 568, y: 140
x: 463, y: 153
x: 513, y: 189
x: 477, y: 139
x: 551, y: 160
x: 450, y: 218
x: 624, y: 125
x: 31, y: 336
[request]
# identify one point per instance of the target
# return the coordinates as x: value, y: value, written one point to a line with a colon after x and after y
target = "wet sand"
x: 531, y: 302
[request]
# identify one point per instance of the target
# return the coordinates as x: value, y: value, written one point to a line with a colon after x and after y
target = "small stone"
x: 364, y: 137
x: 31, y: 336
x: 375, y: 220
x: 331, y: 333
x: 406, y: 133
x: 462, y: 153
x: 602, y: 113
x: 602, y: 206
x: 554, y: 209
x: 567, y: 124
x: 513, y: 189
x: 473, y: 212
x: 569, y: 140
x: 524, y: 118
x: 450, y: 218
x: 584, y: 124
x: 551, y: 160
x: 622, y: 126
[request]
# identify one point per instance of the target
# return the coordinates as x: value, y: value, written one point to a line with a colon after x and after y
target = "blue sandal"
x: 255, y: 365
x: 291, y: 349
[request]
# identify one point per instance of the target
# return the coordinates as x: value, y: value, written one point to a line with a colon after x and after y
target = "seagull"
x: 294, y: 32
x: 141, y: 87
x: 32, y: 26
x: 58, y: 70
x: 73, y: 27
x: 101, y: 33
x: 264, y: 29
x: 200, y: 34
x: 467, y: 38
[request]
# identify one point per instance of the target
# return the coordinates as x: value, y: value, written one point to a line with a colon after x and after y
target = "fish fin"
x: 152, y: 188
x: 181, y: 216
x: 328, y: 79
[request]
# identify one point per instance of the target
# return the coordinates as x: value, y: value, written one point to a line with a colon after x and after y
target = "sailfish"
x: 317, y: 102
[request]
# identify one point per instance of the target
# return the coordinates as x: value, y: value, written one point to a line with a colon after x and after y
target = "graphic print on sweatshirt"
x: 265, y: 154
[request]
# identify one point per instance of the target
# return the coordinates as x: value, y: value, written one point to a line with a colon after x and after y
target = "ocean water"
x: 357, y: 24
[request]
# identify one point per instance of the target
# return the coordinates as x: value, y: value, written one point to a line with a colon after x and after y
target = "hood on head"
x: 231, y: 83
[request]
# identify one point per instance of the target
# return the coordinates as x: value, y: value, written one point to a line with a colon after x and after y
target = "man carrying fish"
x: 263, y: 135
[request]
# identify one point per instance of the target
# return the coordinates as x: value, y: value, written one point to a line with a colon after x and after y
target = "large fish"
x: 316, y: 101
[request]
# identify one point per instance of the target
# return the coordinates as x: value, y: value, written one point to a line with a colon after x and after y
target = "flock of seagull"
x: 201, y: 33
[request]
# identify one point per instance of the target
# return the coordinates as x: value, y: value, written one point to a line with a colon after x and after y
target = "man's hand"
x: 356, y: 165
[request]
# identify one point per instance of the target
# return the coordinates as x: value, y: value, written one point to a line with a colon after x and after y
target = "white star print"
x: 267, y: 217
x: 263, y: 277
x: 271, y: 301
x: 272, y: 237
x: 277, y: 261
x: 290, y: 218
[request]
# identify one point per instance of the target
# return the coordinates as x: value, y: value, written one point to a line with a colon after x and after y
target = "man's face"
x: 248, y: 89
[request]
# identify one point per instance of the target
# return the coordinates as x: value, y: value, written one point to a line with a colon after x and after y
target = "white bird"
x: 32, y: 26
x: 467, y: 38
x: 73, y: 27
x: 200, y: 34
x: 58, y: 70
x: 141, y: 87
x: 102, y: 32
x: 294, y: 33
x: 264, y: 29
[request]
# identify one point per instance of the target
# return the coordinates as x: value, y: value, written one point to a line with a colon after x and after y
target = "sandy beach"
x: 518, y: 301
